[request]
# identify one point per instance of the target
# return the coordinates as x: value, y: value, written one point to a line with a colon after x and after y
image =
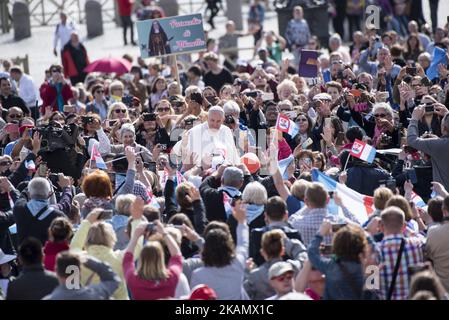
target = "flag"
x: 417, y: 200
x: 363, y: 151
x: 284, y: 124
x: 153, y: 201
x: 439, y: 57
x: 360, y: 205
x: 283, y: 165
x: 96, y: 156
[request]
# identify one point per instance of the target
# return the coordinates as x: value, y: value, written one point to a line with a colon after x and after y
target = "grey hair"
x: 232, y: 177
x: 39, y: 188
x: 255, y: 193
x: 127, y: 127
x: 334, y: 37
x: 217, y: 109
x: 123, y: 204
x: 385, y: 106
x: 192, y: 89
x: 231, y: 107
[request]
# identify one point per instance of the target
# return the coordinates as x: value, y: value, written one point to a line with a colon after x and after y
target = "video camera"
x: 56, y: 137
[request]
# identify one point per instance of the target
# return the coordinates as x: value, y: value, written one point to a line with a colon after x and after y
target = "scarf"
x: 233, y: 192
x: 94, y: 202
x: 36, y: 205
x: 253, y: 211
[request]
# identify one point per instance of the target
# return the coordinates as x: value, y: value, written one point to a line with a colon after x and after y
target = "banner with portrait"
x: 171, y: 36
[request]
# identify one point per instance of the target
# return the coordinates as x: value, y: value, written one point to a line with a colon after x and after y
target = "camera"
x: 188, y: 122
x: 105, y: 215
x: 385, y: 139
x: 149, y: 117
x: 229, y: 120
x: 197, y: 97
x: 151, y: 227
x: 87, y: 120
x: 429, y: 108
x: 251, y: 94
x: 58, y: 137
x: 390, y: 183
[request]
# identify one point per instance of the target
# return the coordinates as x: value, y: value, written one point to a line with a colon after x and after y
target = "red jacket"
x: 68, y: 63
x: 51, y: 249
x: 48, y: 94
x: 125, y: 7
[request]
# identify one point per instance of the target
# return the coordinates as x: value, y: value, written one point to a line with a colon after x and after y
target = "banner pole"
x: 175, y: 61
x: 347, y: 160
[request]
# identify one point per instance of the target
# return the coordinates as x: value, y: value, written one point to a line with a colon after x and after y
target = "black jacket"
x: 6, y: 220
x: 213, y: 198
x: 365, y: 178
x: 196, y: 214
x: 34, y: 283
x: 255, y: 239
x: 29, y: 226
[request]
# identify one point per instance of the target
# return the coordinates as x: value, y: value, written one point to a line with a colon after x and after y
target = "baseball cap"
x: 203, y: 292
x: 251, y: 161
x: 322, y: 96
x: 279, y: 268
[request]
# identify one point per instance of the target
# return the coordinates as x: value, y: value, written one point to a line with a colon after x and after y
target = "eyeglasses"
x: 99, y: 91
x: 56, y: 71
x: 286, y: 276
x: 301, y: 120
x: 120, y: 110
x: 5, y: 163
x: 15, y: 116
x: 380, y: 115
x: 163, y: 109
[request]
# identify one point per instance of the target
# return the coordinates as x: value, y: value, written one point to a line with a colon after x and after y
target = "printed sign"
x: 170, y: 36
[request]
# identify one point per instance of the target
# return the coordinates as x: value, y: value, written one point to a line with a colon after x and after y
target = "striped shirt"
x: 412, y: 255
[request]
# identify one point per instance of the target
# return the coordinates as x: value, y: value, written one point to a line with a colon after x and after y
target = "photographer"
x: 244, y: 138
x: 128, y: 139
x: 433, y: 147
x: 150, y: 132
x: 380, y: 127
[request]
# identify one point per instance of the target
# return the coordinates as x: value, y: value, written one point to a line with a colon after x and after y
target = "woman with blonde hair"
x: 98, y: 239
x: 166, y: 114
x: 153, y: 279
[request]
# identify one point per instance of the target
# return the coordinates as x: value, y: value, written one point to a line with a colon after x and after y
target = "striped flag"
x: 363, y: 151
x: 284, y: 124
x: 96, y: 156
x: 360, y: 205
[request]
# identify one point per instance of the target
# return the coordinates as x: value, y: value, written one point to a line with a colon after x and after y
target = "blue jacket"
x: 340, y: 285
x: 365, y: 178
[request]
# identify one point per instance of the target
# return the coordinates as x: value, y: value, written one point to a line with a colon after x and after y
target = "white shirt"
x: 204, y: 142
x: 63, y: 33
x: 27, y: 90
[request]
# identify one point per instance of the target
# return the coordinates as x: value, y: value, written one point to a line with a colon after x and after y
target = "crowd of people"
x: 153, y: 185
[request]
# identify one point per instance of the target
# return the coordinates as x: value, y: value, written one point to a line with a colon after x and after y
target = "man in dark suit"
x: 276, y: 216
x: 34, y: 282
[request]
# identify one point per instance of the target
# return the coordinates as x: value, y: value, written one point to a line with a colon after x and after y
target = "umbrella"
x: 109, y: 65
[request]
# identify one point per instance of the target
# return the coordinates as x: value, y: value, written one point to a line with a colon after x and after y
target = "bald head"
x: 393, y: 219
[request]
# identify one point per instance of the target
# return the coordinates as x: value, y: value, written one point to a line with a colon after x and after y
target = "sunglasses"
x: 120, y: 110
x: 301, y: 120
x: 56, y: 71
x: 380, y: 115
x: 163, y: 109
x: 286, y: 276
x: 99, y: 91
x: 15, y: 116
x: 6, y: 163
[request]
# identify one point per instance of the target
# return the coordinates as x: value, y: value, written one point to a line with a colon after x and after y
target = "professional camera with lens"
x: 56, y: 137
x: 229, y: 120
x: 58, y: 149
